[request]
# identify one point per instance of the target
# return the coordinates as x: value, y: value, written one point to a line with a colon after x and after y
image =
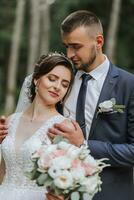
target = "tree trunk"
x: 112, y: 30
x: 44, y: 27
x: 34, y: 35
x: 14, y: 55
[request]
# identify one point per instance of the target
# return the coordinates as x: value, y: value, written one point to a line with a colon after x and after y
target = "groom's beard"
x: 85, y: 66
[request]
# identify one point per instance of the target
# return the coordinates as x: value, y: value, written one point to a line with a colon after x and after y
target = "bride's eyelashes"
x: 54, y: 78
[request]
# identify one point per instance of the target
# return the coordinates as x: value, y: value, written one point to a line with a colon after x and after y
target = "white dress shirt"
x: 93, y: 92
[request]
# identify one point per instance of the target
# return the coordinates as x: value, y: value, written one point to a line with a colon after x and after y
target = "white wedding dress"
x: 16, y: 185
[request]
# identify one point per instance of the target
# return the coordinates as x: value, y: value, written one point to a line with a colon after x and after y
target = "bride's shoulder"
x: 13, y: 116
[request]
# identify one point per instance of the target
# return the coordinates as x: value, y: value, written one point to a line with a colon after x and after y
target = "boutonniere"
x: 110, y: 106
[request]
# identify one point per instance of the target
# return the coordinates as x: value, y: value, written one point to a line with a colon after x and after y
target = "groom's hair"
x: 82, y: 18
x: 45, y: 64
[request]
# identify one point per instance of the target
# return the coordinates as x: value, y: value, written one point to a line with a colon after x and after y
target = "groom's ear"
x: 100, y: 41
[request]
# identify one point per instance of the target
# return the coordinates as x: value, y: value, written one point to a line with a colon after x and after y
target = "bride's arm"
x: 2, y: 162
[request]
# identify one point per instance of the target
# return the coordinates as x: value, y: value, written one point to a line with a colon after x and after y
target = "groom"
x: 109, y: 134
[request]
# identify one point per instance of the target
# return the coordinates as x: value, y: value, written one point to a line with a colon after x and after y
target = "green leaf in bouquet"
x: 34, y: 174
x: 48, y: 181
x: 82, y: 189
x: 86, y: 196
x: 54, y: 190
x: 75, y: 196
x: 42, y: 179
x: 66, y: 191
x: 28, y: 175
x: 57, y: 191
x: 59, y: 138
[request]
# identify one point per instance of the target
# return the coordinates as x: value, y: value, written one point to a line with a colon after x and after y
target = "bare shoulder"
x: 9, y: 117
x: 68, y: 123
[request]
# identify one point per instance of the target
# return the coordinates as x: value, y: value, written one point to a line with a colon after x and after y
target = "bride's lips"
x: 53, y: 94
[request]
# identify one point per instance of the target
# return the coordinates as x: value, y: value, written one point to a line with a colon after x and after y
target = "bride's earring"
x: 36, y: 89
x: 61, y: 102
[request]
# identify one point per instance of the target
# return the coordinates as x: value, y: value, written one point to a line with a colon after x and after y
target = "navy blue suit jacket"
x: 112, y: 137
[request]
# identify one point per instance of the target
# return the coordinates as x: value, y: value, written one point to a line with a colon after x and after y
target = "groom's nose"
x: 70, y: 52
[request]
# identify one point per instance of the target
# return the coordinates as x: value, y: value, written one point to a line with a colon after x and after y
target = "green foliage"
x: 75, y: 196
x: 59, y: 138
x: 59, y: 10
x: 124, y: 54
x: 44, y: 178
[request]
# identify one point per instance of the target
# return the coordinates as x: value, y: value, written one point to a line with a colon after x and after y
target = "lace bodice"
x: 17, y: 164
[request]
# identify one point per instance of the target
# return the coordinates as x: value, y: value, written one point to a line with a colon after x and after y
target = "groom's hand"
x: 3, y: 128
x: 51, y: 196
x: 73, y: 134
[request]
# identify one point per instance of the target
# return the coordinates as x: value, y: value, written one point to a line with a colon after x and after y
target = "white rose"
x: 64, y: 180
x: 54, y: 171
x: 91, y: 183
x: 62, y: 162
x: 64, y: 145
x: 50, y: 149
x: 84, y: 152
x: 91, y: 161
x: 43, y: 165
x: 73, y: 152
x: 78, y: 174
x: 35, y: 155
x: 106, y: 106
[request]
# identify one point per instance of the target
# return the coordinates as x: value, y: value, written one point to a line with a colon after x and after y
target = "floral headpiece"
x: 52, y: 54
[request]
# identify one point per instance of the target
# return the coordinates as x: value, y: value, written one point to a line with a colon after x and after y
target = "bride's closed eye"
x: 52, y: 78
x: 65, y: 84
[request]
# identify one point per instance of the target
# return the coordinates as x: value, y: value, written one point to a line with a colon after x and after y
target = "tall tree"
x: 14, y: 55
x: 44, y: 26
x: 112, y: 30
x: 34, y: 34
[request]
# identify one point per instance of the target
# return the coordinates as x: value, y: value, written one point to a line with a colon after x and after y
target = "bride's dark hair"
x: 45, y: 64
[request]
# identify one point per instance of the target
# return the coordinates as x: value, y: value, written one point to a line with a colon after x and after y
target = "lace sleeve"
x: 23, y: 101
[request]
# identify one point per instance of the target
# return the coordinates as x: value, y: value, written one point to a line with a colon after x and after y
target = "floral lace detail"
x: 24, y: 101
x: 17, y: 164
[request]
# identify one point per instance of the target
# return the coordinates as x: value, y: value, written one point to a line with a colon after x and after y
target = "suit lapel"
x: 108, y: 86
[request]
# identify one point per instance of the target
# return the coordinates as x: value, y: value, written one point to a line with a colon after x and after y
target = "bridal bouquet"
x: 67, y: 169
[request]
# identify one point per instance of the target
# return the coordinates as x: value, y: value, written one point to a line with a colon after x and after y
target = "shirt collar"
x: 97, y: 72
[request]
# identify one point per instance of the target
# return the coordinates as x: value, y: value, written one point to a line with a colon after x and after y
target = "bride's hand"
x: 51, y: 196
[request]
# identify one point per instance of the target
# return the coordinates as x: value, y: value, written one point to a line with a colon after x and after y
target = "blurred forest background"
x: 29, y: 28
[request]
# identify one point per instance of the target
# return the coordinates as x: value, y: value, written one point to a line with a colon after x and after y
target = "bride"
x: 51, y: 82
